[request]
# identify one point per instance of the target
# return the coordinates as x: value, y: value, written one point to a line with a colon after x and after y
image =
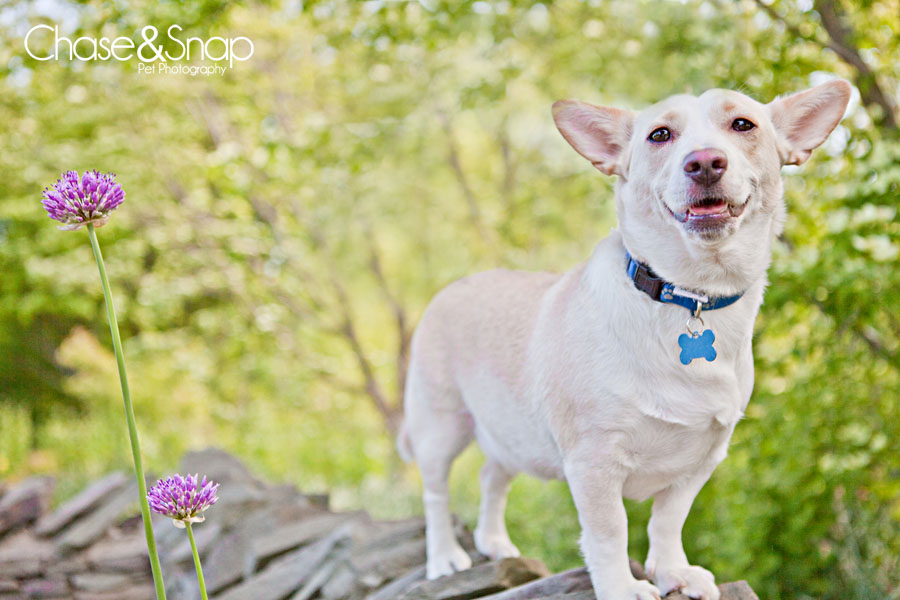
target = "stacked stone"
x: 259, y: 542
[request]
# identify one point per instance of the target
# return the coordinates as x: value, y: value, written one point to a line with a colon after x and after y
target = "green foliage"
x: 285, y: 224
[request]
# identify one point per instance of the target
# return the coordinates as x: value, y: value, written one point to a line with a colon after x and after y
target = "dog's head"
x: 699, y: 195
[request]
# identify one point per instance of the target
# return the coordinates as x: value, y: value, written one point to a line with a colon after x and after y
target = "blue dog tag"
x: 697, y: 345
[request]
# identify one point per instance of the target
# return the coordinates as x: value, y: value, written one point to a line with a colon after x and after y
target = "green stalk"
x: 129, y: 417
x: 196, y: 560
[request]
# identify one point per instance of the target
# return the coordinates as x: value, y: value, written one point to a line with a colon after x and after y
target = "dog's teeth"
x: 708, y: 207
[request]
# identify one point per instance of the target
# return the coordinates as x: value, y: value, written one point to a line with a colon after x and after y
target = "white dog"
x: 626, y: 375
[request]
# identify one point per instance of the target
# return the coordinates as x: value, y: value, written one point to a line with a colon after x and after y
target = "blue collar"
x: 646, y: 280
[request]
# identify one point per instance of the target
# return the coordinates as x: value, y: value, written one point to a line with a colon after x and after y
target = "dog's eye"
x: 660, y: 135
x: 742, y: 125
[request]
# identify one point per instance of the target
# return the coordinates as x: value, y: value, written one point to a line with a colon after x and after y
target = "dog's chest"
x: 658, y: 454
x: 633, y: 361
x: 640, y: 406
x: 699, y: 396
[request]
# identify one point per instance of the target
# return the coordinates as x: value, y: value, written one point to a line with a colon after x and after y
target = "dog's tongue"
x: 708, y: 209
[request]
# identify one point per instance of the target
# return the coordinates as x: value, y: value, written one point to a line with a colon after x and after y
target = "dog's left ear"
x: 598, y: 133
x: 804, y: 120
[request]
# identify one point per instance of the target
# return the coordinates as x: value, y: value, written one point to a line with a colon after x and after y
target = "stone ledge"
x: 259, y: 542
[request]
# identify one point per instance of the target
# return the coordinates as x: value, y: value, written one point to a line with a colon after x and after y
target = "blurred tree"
x: 32, y: 378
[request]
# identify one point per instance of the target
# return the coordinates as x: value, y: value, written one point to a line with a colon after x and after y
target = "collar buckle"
x: 647, y: 281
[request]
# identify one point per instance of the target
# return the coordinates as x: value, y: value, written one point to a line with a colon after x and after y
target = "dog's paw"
x: 446, y: 561
x: 637, y: 590
x: 495, y: 546
x: 693, y: 582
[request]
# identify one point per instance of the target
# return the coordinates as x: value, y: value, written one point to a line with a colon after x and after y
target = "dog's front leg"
x: 667, y: 563
x: 597, y: 491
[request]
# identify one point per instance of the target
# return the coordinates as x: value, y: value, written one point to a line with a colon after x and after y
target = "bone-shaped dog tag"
x: 697, y: 345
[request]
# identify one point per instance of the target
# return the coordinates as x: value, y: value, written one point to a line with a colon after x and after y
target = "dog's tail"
x: 404, y: 444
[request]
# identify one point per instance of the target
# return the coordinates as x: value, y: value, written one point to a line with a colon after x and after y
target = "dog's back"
x: 477, y: 328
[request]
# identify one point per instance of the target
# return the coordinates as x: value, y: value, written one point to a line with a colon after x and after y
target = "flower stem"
x: 129, y: 417
x: 196, y: 560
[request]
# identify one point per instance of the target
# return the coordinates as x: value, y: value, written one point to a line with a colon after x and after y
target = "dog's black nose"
x: 705, y: 166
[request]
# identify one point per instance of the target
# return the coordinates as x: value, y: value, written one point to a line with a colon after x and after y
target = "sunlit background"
x: 286, y: 223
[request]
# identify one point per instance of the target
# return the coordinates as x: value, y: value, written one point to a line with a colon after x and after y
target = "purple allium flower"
x: 75, y: 202
x: 181, y: 499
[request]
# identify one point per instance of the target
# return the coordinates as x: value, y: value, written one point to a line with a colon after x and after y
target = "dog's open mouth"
x: 708, y: 212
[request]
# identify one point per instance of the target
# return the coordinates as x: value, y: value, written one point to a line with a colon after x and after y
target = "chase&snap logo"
x: 43, y: 43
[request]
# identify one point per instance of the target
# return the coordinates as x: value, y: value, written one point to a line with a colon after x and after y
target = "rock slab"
x: 88, y: 498
x: 479, y: 581
x: 286, y: 574
x: 91, y: 527
x: 25, y: 502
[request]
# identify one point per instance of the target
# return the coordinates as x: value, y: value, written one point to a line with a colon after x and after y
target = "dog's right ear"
x: 597, y: 133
